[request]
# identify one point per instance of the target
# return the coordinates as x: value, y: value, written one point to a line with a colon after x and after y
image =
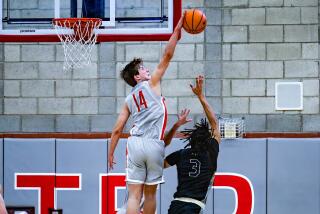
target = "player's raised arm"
x: 167, y: 55
x: 116, y: 133
x: 197, y: 90
x: 182, y: 119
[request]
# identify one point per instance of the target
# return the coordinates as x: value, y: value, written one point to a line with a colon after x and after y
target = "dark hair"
x: 199, y: 138
x: 131, y: 69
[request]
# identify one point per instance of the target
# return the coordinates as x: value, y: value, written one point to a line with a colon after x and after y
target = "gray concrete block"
x: 272, y: 33
x: 216, y: 104
x: 248, y: 52
x: 213, y: 3
x: 120, y: 101
x: 172, y: 105
x: 235, y: 70
x: 172, y: 71
x: 192, y: 3
x: 191, y: 103
x: 266, y: 69
x: 213, y: 87
x: 284, y: 51
x: 1, y: 70
x: 310, y: 105
x: 301, y: 33
x: 284, y: 123
x: 21, y: 70
x: 226, y: 88
x: 86, y: 72
x: 226, y: 52
x: 72, y: 123
x: 72, y: 88
x: 213, y: 52
x: 235, y: 105
x: 11, y: 88
x: 235, y: 3
x: 235, y: 34
x: 250, y: 87
x: 215, y: 16
x: 226, y: 16
x: 189, y: 38
x: 16, y: 4
x: 87, y: 105
x: 20, y: 106
x: 283, y: 15
x: 212, y: 69
x: 309, y: 15
x: 148, y: 52
x: 107, y: 87
x: 184, y: 52
x: 178, y: 87
x: 106, y: 105
x: 255, y: 123
x: 93, y: 88
x: 311, y: 87
x: 54, y: 106
x: 37, y: 123
x: 248, y: 16
x: 190, y: 69
x: 311, y: 123
x: 103, y: 123
x: 1, y: 88
x: 199, y: 52
x: 262, y: 105
x: 53, y: 70
x: 37, y: 88
x: 291, y: 3
x: 213, y: 34
x: 107, y: 70
x: 120, y: 51
x: 1, y: 52
x: 120, y: 85
x: 41, y: 53
x: 310, y: 51
x: 265, y: 3
x: 12, y: 53
x: 301, y: 69
x: 107, y: 52
x: 9, y: 123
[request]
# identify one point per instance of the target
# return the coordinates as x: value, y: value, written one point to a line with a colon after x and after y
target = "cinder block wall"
x: 248, y: 45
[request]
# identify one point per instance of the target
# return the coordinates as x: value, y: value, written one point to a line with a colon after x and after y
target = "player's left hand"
x: 183, y: 117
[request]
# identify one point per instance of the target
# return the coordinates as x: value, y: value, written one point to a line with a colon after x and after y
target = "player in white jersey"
x: 145, y: 146
x: 2, y: 205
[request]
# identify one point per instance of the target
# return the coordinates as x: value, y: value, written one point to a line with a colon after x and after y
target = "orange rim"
x: 69, y: 22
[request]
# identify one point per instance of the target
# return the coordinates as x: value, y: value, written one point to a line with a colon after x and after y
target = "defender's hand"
x: 197, y: 90
x: 183, y: 117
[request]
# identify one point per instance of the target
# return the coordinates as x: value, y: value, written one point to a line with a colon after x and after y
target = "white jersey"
x: 148, y: 111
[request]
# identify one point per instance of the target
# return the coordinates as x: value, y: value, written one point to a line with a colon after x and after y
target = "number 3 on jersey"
x: 196, y: 164
x: 142, y: 101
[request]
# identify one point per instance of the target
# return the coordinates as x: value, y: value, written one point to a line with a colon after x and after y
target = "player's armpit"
x: 166, y: 164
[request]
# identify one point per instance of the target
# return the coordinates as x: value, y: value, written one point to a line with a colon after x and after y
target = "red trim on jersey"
x: 135, y: 100
x: 165, y: 119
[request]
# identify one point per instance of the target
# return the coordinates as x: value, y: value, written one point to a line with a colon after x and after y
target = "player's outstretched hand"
x: 183, y: 117
x: 197, y: 90
x: 111, y: 162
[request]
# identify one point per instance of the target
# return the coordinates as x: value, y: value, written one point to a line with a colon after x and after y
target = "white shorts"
x: 144, y: 161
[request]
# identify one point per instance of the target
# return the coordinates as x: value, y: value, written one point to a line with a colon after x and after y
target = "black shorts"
x: 180, y: 207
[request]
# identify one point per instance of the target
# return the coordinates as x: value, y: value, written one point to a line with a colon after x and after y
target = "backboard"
x: 123, y: 20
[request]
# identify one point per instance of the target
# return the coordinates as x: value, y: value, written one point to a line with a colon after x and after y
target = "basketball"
x: 195, y: 21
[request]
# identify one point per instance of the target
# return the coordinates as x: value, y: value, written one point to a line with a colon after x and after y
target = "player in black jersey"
x: 197, y: 163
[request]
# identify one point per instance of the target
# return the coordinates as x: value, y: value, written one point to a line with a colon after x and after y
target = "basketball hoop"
x: 78, y: 37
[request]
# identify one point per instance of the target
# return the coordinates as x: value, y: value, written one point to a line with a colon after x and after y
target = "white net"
x: 231, y: 128
x: 78, y: 38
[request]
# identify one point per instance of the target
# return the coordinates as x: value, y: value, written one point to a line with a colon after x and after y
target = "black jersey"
x: 195, y: 170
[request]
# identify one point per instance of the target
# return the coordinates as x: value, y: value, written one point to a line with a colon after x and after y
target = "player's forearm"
x: 115, y: 136
x: 172, y: 43
x: 168, y: 137
x: 208, y: 111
